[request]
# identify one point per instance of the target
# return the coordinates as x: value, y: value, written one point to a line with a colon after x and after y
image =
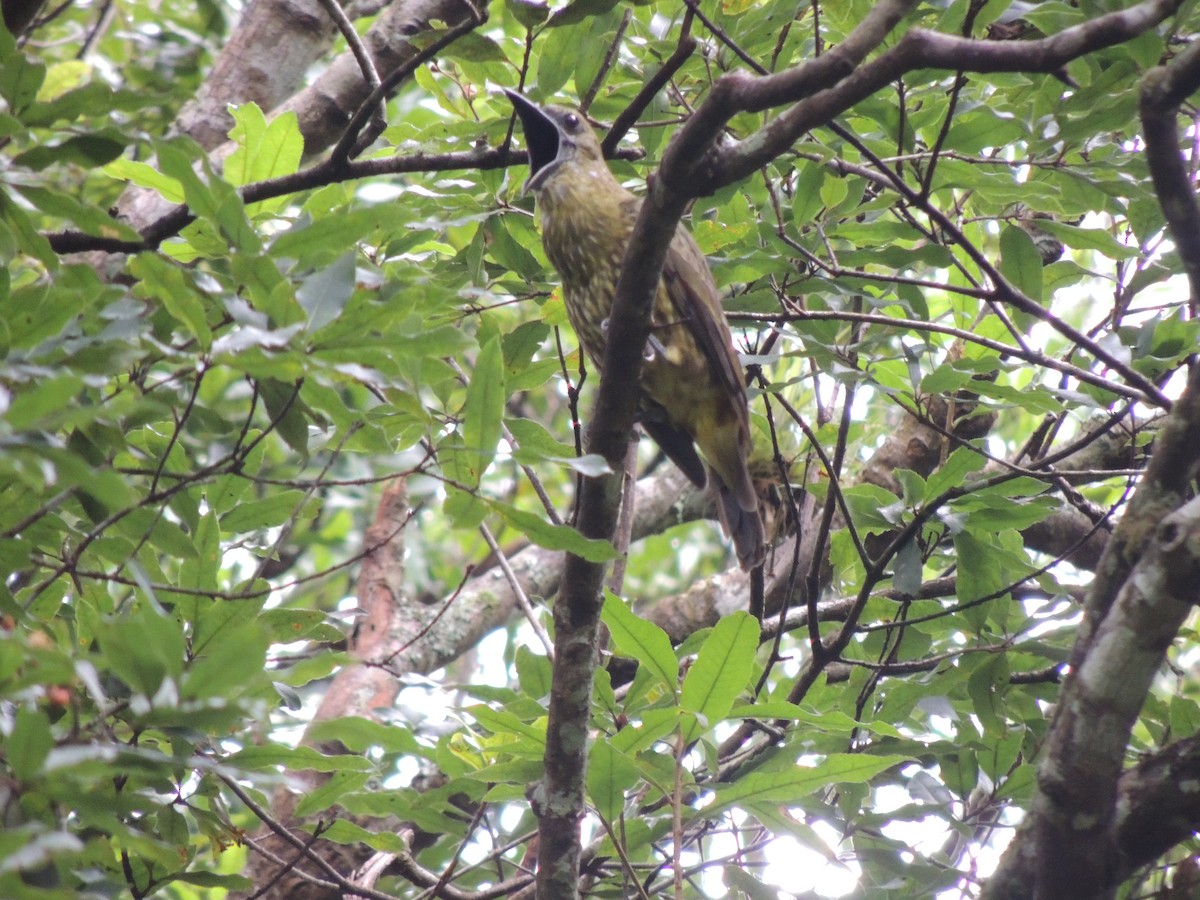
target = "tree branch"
x: 1164, y: 88
x: 1155, y: 553
x: 323, y: 108
x: 825, y: 92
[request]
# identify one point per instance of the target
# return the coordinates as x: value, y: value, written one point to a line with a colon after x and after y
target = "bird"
x: 693, y: 390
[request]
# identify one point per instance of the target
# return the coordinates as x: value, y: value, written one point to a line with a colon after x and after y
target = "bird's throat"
x: 585, y: 224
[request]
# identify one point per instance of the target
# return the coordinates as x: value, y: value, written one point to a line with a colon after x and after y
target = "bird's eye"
x: 571, y: 121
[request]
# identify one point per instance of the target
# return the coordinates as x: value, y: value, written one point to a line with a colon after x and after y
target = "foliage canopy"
x: 290, y: 441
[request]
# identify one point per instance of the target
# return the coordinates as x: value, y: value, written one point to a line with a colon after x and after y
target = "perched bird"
x: 694, y: 394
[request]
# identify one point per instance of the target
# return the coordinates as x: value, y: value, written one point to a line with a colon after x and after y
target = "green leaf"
x: 92, y: 99
x: 287, y: 625
x: 655, y: 725
x: 807, y: 195
x: 529, y: 13
x: 477, y: 48
x: 986, y: 687
x: 359, y: 735
x: 146, y: 176
x: 1096, y: 239
x: 483, y: 410
x: 464, y: 508
x: 38, y: 402
x: 287, y: 412
x: 169, y: 537
x: 953, y: 473
x: 143, y: 648
x: 830, y: 721
x: 503, y: 722
x: 213, y: 621
x: 230, y: 665
x: 326, y: 795
x: 554, y: 537
x: 324, y: 294
x: 721, y: 670
x: 833, y: 191
x: 345, y: 832
x: 1020, y: 262
x: 22, y: 232
x: 508, y: 251
x: 274, y: 295
x: 908, y: 569
x: 29, y: 743
x: 228, y: 882
x: 86, y: 218
x: 581, y: 10
x: 743, y: 884
x: 979, y: 572
x: 638, y: 639
x: 533, y: 673
x: 610, y: 773
x: 215, y: 201
x: 167, y: 283
x: 201, y: 571
x: 88, y: 151
x: 556, y: 61
x: 263, y: 150
x: 273, y: 756
x: 62, y: 77
x: 20, y: 80
x: 871, y: 507
x: 268, y: 512
x: 536, y: 445
x: 315, y: 241
x: 982, y: 129
x: 790, y: 785
x: 521, y: 770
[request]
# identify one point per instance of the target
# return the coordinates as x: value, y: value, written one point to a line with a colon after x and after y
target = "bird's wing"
x: 690, y: 285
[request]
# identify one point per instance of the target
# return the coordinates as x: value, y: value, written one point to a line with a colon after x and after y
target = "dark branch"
x: 1163, y: 90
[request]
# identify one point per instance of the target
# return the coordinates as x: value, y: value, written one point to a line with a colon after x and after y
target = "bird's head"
x: 555, y: 136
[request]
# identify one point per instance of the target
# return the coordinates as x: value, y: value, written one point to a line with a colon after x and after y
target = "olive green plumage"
x: 694, y: 392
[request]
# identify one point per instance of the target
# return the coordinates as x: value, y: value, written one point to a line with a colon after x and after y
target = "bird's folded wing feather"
x: 691, y: 288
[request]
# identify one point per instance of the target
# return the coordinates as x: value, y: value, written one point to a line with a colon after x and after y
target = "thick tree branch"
x: 357, y: 690
x: 323, y: 108
x: 698, y: 168
x: 1163, y: 90
x: 577, y: 610
x: 1146, y: 586
x: 176, y: 218
x: 819, y: 100
x: 1154, y: 812
x: 239, y: 74
x: 370, y: 108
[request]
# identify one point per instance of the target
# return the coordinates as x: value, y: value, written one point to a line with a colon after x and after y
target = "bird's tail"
x: 743, y: 525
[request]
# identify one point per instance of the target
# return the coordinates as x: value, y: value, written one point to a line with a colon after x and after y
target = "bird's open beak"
x: 541, y: 133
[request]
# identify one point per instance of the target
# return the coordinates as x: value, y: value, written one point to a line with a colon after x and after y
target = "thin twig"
x: 348, y: 143
x: 1034, y: 357
x: 363, y: 56
x: 633, y: 112
x: 624, y: 535
x: 337, y: 878
x: 610, y: 57
x: 519, y: 591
